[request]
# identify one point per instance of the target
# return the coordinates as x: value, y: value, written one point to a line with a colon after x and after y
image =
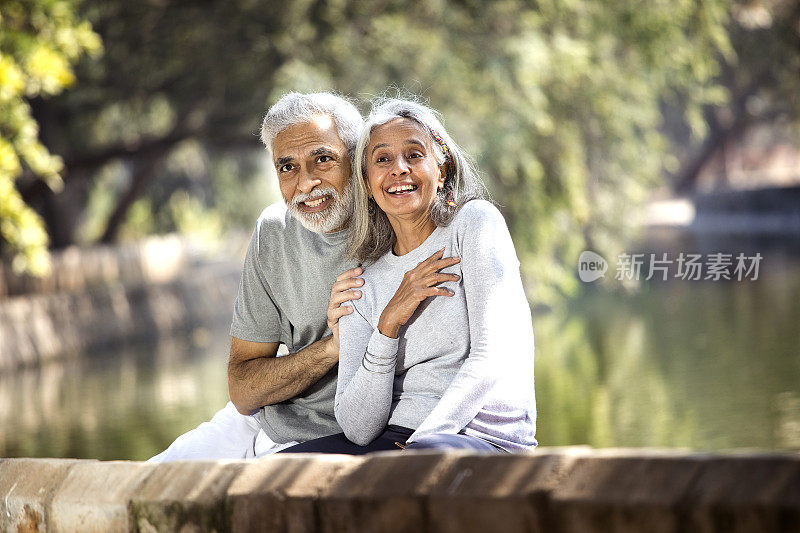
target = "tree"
x: 561, y: 101
x: 40, y: 40
x: 761, y: 77
x: 174, y: 73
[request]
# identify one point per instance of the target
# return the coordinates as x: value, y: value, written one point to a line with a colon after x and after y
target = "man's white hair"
x: 296, y: 108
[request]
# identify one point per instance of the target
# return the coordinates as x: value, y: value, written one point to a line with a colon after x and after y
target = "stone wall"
x: 152, y: 260
x: 107, y: 295
x: 552, y: 490
x: 767, y: 211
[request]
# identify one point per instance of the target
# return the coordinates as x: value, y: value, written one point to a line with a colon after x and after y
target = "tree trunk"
x: 686, y: 180
x: 141, y: 178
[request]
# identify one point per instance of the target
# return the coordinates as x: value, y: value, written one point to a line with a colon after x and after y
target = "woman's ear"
x: 444, y: 168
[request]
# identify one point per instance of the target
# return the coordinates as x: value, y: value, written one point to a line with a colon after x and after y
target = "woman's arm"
x: 367, y: 357
x: 499, y: 319
x: 367, y: 362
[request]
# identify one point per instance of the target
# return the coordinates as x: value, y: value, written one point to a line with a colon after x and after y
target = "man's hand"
x: 340, y: 293
x: 256, y: 377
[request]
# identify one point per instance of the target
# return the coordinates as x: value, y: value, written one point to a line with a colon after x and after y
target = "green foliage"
x: 558, y: 100
x: 566, y: 104
x: 39, y: 42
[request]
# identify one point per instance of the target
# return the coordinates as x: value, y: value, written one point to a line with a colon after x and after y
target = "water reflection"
x: 126, y: 403
x: 701, y: 365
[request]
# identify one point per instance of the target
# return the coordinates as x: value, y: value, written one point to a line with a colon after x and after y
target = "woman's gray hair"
x: 371, y: 234
x: 295, y: 108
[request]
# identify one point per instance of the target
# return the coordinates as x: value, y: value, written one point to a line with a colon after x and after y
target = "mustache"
x: 316, y: 193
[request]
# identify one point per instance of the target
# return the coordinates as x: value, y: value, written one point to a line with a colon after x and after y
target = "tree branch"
x: 143, y: 175
x: 141, y: 148
x: 686, y: 179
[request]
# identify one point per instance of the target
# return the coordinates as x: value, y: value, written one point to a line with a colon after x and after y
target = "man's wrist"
x: 330, y: 351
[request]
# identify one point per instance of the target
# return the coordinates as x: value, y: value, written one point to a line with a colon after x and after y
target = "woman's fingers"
x: 416, y: 287
x: 436, y: 262
x: 437, y: 291
x: 441, y: 277
x: 436, y: 255
x: 444, y: 263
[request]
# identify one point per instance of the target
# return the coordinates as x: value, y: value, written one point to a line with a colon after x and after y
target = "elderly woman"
x: 438, y: 352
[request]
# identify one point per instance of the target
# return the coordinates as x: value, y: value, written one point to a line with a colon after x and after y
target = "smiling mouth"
x: 401, y: 189
x: 316, y: 204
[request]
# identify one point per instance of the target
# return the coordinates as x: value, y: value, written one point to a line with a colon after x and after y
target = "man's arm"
x: 256, y: 377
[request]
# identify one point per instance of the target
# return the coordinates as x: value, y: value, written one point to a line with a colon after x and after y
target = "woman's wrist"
x: 387, y: 329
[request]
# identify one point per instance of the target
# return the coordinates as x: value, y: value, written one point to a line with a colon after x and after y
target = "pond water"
x: 692, y: 364
x: 125, y: 403
x: 704, y: 365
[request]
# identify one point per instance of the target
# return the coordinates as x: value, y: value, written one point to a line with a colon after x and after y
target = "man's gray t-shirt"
x: 283, y: 297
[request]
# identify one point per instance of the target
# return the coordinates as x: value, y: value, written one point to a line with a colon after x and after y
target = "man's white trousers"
x: 228, y: 435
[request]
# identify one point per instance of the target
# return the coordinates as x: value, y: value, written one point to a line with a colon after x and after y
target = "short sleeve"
x: 255, y: 315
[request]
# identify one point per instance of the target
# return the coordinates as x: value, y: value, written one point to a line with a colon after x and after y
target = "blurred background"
x: 131, y: 177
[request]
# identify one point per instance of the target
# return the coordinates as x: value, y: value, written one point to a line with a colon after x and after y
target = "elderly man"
x: 287, y: 293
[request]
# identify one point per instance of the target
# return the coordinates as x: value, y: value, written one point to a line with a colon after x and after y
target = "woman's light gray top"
x: 463, y: 362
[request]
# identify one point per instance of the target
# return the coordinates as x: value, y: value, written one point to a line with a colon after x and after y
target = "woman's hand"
x: 418, y: 284
x: 340, y: 294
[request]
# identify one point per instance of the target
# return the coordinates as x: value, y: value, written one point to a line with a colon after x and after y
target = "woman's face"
x: 403, y: 175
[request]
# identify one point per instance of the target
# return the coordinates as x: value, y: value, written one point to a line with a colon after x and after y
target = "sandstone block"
x: 495, y: 493
x: 386, y: 492
x: 623, y: 493
x: 184, y: 496
x: 745, y: 493
x: 26, y: 486
x: 95, y: 496
x: 279, y: 493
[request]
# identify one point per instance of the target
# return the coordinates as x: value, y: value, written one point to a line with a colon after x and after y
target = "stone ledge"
x: 96, y: 496
x: 26, y: 488
x: 552, y: 490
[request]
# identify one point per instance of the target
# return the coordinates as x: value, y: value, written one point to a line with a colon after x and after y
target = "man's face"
x: 314, y: 174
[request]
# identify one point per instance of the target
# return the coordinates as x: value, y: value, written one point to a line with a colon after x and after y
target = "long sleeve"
x: 499, y: 320
x: 367, y: 362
